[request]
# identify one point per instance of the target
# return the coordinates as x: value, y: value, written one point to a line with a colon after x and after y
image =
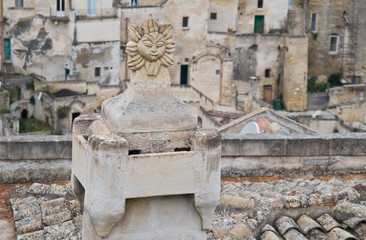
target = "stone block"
x: 38, y: 235
x: 55, y: 211
x: 26, y: 208
x: 60, y: 231
x: 29, y: 224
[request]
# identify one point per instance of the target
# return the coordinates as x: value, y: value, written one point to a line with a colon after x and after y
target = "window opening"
x: 333, y: 44
x: 267, y: 73
x: 185, y: 22
x: 213, y: 16
x: 260, y: 3
x: 313, y: 21
x: 97, y: 72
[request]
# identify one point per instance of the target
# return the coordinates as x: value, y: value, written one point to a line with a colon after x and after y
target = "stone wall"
x: 48, y: 158
x: 35, y: 158
x: 346, y: 93
x: 225, y: 15
x: 271, y: 155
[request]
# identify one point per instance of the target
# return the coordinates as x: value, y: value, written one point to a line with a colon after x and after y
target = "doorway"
x: 267, y: 93
x: 259, y: 24
x: 183, y: 74
x: 73, y: 116
x: 24, y: 114
x: 60, y: 10
x: 7, y: 50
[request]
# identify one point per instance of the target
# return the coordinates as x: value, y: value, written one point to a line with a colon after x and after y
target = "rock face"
x: 143, y: 164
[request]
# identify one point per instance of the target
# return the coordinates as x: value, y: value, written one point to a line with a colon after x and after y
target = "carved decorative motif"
x: 151, y: 46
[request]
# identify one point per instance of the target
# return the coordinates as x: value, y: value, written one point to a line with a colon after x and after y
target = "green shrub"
x: 32, y: 125
x: 4, y: 111
x: 335, y: 79
x: 63, y: 111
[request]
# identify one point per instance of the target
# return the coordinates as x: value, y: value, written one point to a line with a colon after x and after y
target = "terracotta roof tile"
x: 285, y: 224
x: 293, y: 234
x: 307, y: 224
x: 328, y: 222
x: 340, y: 234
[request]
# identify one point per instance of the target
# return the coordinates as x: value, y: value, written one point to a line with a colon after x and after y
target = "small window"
x: 333, y: 44
x: 185, y: 22
x: 290, y: 2
x: 186, y: 59
x: 313, y: 21
x: 19, y: 3
x: 213, y: 16
x: 133, y: 2
x: 217, y: 72
x: 267, y: 73
x: 260, y: 3
x: 97, y: 72
x: 106, y: 68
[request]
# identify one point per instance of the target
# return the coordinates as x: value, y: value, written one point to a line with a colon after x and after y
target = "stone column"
x: 142, y: 169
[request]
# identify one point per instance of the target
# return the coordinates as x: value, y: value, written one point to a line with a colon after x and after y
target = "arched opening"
x: 24, y: 114
x: 74, y: 115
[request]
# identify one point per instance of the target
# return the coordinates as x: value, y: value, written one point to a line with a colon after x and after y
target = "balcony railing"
x: 81, y: 14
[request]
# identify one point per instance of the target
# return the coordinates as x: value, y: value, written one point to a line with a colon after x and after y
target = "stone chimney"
x: 142, y: 169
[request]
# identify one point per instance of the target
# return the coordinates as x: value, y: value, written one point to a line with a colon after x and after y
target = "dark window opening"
x: 75, y: 115
x: 213, y: 16
x: 19, y: 3
x: 133, y: 2
x: 24, y: 114
x: 260, y: 3
x: 267, y: 73
x: 185, y: 22
x: 217, y: 72
x: 313, y: 22
x: 134, y: 152
x: 60, y: 5
x: 183, y: 149
x: 333, y: 44
x: 97, y: 72
x: 186, y: 59
x: 184, y: 74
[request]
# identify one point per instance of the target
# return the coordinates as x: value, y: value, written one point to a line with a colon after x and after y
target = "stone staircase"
x: 9, y: 68
x: 296, y: 22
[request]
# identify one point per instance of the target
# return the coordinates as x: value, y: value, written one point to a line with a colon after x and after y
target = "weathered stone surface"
x: 25, y: 208
x: 55, y: 211
x: 60, y: 190
x: 241, y: 231
x: 7, y: 230
x: 269, y: 235
x: 29, y: 224
x: 233, y: 201
x: 345, y: 210
x: 61, y: 231
x: 37, y: 188
x: 220, y: 232
x: 38, y: 235
x: 317, y: 234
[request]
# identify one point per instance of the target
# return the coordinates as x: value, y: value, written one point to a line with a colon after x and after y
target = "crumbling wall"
x: 38, y: 45
x: 346, y: 93
x: 106, y: 56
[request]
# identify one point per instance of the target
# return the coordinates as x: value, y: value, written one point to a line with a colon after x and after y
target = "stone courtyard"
x: 304, y: 207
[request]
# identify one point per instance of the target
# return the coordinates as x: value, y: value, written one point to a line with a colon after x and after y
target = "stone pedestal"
x: 141, y: 169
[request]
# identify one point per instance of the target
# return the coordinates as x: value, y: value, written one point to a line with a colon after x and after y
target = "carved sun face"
x: 150, y: 46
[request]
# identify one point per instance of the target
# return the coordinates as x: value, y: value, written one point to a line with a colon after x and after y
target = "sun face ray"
x: 151, y: 46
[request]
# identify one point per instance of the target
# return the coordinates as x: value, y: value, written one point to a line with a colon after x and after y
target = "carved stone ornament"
x: 150, y: 46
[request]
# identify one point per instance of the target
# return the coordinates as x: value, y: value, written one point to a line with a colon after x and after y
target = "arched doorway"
x: 24, y: 114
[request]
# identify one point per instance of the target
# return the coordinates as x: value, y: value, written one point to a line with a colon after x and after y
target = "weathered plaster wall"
x: 226, y: 15
x: 38, y: 45
x: 274, y: 12
x: 294, y: 86
x: 54, y: 86
x: 4, y: 100
x: 206, y: 76
x: 355, y: 112
x: 105, y: 56
x: 105, y: 30
x: 346, y: 93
